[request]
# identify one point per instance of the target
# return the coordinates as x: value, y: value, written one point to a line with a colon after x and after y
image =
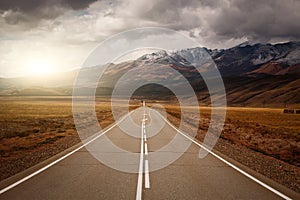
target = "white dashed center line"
x: 141, y: 166
x: 146, y: 149
x: 147, y: 179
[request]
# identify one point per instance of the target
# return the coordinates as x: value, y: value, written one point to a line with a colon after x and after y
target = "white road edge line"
x: 147, y: 179
x: 141, y: 167
x: 60, y: 159
x: 228, y: 163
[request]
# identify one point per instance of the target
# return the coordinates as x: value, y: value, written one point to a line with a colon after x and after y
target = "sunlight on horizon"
x: 40, y: 67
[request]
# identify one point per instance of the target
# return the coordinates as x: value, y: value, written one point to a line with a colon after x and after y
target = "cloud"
x: 31, y: 11
x: 219, y: 23
x: 261, y: 21
x: 29, y: 6
x: 219, y: 20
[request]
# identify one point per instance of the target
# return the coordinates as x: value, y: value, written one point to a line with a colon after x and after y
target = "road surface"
x: 79, y: 175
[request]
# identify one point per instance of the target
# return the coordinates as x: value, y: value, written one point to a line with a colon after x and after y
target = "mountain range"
x: 253, y: 75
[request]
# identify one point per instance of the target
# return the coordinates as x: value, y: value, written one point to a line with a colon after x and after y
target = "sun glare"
x: 40, y: 67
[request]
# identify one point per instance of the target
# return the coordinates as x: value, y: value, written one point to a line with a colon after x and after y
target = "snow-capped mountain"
x: 241, y: 60
x: 248, y: 59
x: 154, y: 56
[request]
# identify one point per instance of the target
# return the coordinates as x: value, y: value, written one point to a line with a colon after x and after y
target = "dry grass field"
x: 266, y: 130
x: 269, y: 131
x: 33, y: 129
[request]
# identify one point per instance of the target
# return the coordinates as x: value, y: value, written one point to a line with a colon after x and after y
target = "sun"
x: 40, y: 67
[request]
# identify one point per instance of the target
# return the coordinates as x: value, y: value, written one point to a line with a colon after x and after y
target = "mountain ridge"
x: 275, y: 68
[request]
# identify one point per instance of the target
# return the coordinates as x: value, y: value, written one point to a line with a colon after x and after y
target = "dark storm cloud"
x: 30, y: 5
x: 179, y: 14
x: 171, y: 13
x: 17, y: 11
x: 259, y: 20
x: 209, y: 21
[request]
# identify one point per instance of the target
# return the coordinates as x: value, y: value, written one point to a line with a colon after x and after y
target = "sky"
x: 60, y: 34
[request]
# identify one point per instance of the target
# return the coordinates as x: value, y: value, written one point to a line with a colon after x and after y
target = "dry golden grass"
x: 264, y: 130
x: 27, y: 125
x: 272, y: 118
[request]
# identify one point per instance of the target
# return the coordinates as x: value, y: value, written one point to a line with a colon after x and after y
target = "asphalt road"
x: 148, y: 150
